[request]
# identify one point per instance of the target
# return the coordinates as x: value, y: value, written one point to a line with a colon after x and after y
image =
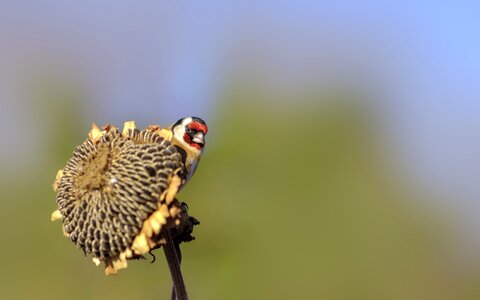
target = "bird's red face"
x: 194, y: 135
x: 190, y: 132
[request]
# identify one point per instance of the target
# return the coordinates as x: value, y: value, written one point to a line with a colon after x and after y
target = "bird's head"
x: 189, y: 133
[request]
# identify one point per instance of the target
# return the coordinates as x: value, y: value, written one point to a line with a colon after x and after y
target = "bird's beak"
x: 199, y: 138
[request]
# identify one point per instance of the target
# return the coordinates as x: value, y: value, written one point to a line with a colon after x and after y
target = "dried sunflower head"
x: 116, y: 195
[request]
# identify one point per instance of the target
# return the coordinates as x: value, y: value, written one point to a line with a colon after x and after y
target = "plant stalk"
x: 172, y: 254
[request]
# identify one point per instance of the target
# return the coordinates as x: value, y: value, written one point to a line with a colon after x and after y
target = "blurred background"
x: 343, y: 154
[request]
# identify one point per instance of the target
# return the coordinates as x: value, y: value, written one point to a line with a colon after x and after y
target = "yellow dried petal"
x: 107, y: 128
x: 140, y: 244
x: 172, y: 190
x: 96, y: 261
x: 160, y: 219
x: 166, y: 134
x: 119, y: 264
x: 163, y: 195
x: 56, y: 215
x: 147, y: 229
x: 122, y: 256
x: 153, y: 128
x: 128, y: 253
x: 127, y: 126
x: 155, y: 225
x: 151, y: 244
x: 164, y: 211
x: 110, y: 270
x: 58, y: 177
x: 95, y: 133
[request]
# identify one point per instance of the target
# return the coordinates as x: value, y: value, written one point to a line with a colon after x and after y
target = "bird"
x: 116, y: 194
x: 189, y: 139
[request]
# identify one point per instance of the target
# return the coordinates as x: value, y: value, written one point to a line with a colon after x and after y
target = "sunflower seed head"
x: 117, y: 192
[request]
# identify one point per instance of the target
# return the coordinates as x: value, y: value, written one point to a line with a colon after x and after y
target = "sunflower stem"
x: 172, y: 254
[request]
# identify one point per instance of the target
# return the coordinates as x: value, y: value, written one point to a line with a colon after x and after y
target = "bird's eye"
x: 188, y: 130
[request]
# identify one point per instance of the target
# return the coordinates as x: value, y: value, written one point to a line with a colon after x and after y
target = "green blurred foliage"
x: 295, y: 203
